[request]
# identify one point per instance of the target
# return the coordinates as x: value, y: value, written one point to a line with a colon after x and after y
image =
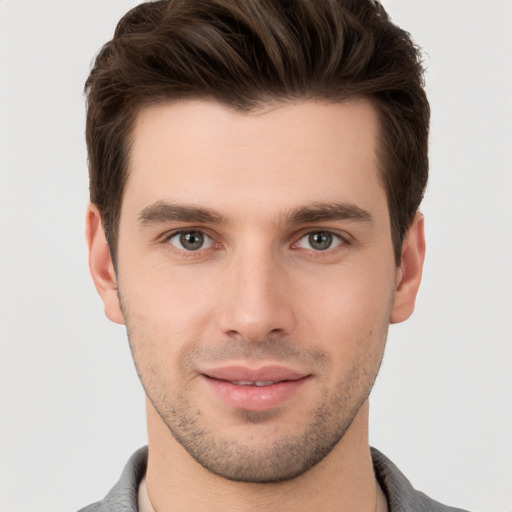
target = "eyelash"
x: 184, y: 252
x: 342, y: 240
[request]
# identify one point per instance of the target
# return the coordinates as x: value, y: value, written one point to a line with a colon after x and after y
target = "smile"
x: 260, y: 389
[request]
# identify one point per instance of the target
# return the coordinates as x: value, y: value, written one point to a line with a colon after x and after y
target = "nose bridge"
x: 254, y: 302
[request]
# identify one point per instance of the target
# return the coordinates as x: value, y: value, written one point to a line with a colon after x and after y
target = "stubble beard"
x: 269, y: 460
x: 278, y: 460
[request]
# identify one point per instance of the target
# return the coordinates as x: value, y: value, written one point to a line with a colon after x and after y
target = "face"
x: 256, y: 278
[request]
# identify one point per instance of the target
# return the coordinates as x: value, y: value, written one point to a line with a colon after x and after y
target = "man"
x: 256, y: 170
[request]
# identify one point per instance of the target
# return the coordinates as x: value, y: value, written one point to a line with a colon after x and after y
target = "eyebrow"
x: 162, y: 212
x: 319, y: 212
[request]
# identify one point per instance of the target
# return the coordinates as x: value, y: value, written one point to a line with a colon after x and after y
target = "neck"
x: 343, y: 480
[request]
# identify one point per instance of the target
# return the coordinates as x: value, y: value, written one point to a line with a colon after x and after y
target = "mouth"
x: 260, y: 389
x: 260, y: 383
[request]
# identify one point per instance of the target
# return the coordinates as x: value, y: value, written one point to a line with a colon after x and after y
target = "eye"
x: 190, y: 240
x: 319, y: 241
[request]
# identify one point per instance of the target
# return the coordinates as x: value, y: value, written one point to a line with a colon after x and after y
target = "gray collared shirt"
x: 400, y: 494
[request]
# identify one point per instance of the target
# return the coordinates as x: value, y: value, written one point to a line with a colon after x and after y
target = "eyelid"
x: 344, y: 238
x: 209, y: 240
x: 168, y: 234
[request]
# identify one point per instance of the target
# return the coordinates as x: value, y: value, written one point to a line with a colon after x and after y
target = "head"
x: 256, y: 169
x: 246, y: 55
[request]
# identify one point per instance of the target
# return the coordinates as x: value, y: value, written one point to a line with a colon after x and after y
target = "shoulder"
x: 123, y: 496
x: 401, y: 495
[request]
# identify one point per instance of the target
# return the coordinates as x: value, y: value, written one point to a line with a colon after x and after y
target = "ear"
x: 101, y: 266
x: 409, y: 274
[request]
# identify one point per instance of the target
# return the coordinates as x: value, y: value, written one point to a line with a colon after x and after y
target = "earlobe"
x: 101, y: 266
x: 409, y: 274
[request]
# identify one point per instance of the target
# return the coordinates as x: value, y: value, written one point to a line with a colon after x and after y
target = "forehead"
x: 279, y: 157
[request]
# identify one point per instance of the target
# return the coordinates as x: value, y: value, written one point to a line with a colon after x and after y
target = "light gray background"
x: 71, y: 406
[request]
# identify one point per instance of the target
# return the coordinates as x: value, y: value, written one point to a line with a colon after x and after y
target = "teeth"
x: 253, y: 383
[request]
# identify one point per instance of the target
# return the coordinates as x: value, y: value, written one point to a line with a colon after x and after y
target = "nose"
x: 256, y: 297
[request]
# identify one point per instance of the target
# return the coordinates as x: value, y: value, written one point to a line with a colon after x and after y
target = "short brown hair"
x: 245, y: 53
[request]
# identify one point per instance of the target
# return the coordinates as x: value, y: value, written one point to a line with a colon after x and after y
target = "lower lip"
x: 255, y: 398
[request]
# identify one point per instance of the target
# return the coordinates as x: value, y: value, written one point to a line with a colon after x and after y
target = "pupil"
x: 320, y: 241
x: 192, y: 240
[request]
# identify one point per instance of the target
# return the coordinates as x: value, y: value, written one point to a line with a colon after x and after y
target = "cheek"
x: 347, y: 314
x: 166, y: 300
x: 348, y: 296
x: 165, y: 317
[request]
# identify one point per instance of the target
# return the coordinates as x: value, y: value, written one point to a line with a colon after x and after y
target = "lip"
x: 243, y: 373
x: 231, y: 385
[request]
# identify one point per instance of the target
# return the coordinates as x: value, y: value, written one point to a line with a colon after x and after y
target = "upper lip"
x: 270, y: 373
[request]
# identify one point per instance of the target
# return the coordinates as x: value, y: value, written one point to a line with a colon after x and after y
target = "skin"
x: 260, y: 291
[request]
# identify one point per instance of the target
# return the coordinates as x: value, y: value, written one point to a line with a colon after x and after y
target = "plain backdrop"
x: 72, y: 410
